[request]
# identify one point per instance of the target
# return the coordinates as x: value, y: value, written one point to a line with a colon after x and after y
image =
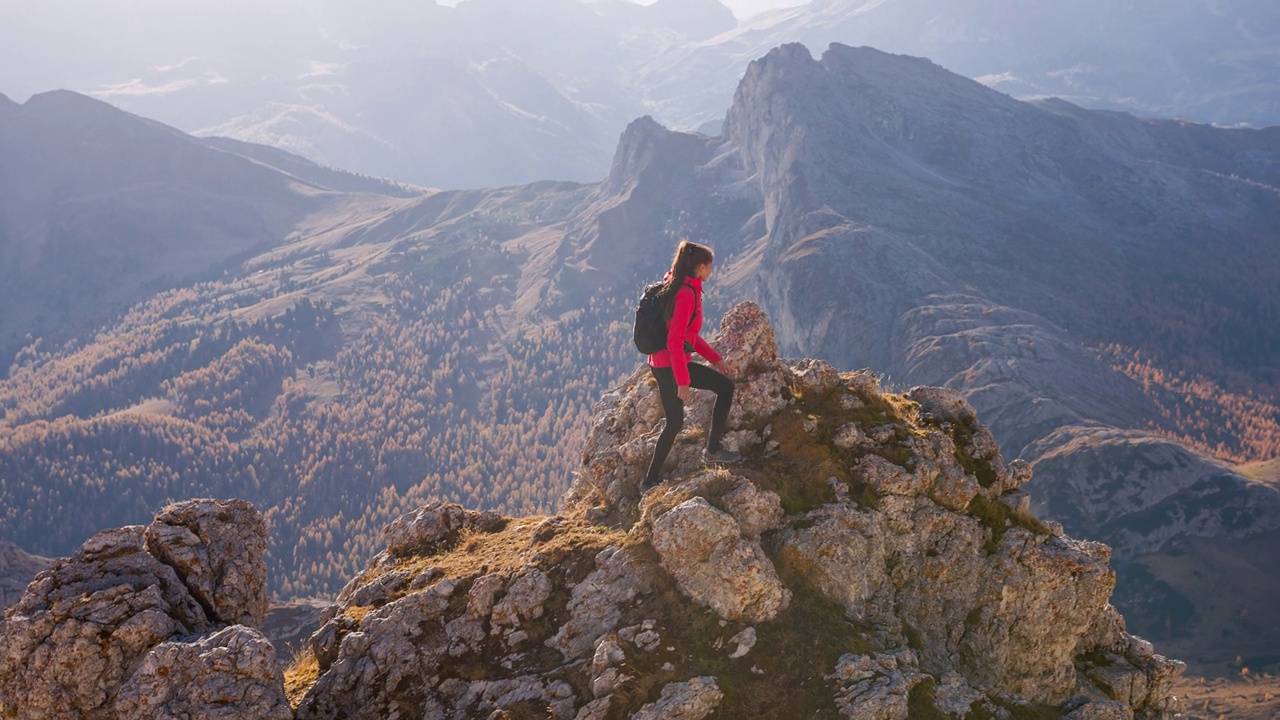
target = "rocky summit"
x: 872, y: 557
x: 148, y: 622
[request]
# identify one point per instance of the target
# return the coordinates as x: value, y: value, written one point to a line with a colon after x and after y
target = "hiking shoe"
x: 723, y: 455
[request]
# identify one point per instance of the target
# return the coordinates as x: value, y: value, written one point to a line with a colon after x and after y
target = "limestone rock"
x: 692, y: 700
x: 887, y: 478
x: 217, y: 547
x: 712, y: 563
x: 744, y: 640
x: 431, y: 525
x: 875, y: 687
x: 851, y: 436
x: 87, y: 624
x: 841, y: 554
x: 596, y: 605
x: 815, y: 376
x: 523, y: 599
x: 605, y: 675
x: 942, y: 405
x: 227, y: 675
x: 955, y: 697
x: 389, y: 648
x: 324, y: 642
x: 756, y: 511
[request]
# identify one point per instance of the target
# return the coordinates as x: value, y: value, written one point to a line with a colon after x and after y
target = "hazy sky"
x: 747, y: 8
x: 741, y: 8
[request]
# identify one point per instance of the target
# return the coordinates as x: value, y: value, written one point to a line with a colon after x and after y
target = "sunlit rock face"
x: 884, y: 534
x: 148, y: 622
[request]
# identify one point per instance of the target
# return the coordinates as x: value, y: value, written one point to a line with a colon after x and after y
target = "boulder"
x: 713, y: 564
x: 217, y: 547
x: 691, y: 700
x: 89, y: 624
x: 227, y: 675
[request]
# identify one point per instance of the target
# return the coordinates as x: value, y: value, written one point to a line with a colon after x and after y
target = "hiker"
x: 672, y: 366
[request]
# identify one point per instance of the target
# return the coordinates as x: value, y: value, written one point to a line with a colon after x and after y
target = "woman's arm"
x: 677, y: 332
x: 706, y: 351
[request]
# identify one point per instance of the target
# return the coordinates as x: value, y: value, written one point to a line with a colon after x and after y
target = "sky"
x: 740, y: 8
x: 747, y: 8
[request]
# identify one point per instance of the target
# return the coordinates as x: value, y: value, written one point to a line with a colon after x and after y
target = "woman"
x: 672, y: 367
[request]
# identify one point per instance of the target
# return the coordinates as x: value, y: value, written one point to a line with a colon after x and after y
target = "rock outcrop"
x: 872, y: 557
x: 148, y: 622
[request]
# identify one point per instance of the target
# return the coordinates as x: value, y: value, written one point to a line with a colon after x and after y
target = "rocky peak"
x: 810, y: 130
x: 141, y: 622
x: 872, y: 557
x: 647, y: 152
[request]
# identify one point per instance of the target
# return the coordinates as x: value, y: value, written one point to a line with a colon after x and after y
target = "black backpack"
x: 650, y: 332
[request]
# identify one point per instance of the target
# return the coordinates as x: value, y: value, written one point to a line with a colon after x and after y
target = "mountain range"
x: 502, y: 92
x: 347, y: 349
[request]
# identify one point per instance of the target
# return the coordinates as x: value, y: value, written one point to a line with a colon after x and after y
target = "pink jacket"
x: 680, y: 331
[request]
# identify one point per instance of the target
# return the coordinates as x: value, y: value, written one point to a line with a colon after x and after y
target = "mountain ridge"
x: 367, y: 363
x: 379, y: 94
x: 872, y: 557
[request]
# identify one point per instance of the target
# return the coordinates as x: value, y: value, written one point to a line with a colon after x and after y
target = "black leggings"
x: 703, y: 378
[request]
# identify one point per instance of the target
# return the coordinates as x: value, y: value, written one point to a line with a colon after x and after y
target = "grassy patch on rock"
x: 806, y: 457
x: 783, y: 675
x: 301, y: 673
x: 998, y: 518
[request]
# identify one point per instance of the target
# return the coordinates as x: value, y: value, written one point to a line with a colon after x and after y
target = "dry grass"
x: 537, y: 540
x: 301, y: 673
x: 1265, y: 472
x: 1252, y: 696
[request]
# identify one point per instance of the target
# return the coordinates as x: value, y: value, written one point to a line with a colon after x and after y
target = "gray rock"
x: 431, y: 525
x: 217, y: 547
x: 595, y: 607
x: 875, y: 687
x: 745, y: 640
x: 815, y: 376
x: 943, y: 405
x: 227, y: 675
x: 712, y: 563
x: 84, y: 628
x: 1101, y: 710
x: 691, y: 700
x: 756, y: 511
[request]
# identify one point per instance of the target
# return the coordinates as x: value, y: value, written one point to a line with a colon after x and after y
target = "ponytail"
x: 689, y: 255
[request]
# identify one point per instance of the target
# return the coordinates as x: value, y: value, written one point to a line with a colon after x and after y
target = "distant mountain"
x: 1204, y: 61
x: 1095, y: 284
x: 100, y: 209
x: 16, y: 570
x: 502, y: 92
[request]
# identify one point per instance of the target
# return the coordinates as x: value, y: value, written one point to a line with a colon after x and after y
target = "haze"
x: 84, y: 45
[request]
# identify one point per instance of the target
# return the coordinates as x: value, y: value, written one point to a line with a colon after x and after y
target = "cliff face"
x: 945, y: 234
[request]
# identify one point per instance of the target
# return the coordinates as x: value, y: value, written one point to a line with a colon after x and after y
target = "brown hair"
x: 689, y: 255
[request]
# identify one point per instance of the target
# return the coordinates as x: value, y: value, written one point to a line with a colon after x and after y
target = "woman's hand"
x: 683, y: 393
x: 722, y: 369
